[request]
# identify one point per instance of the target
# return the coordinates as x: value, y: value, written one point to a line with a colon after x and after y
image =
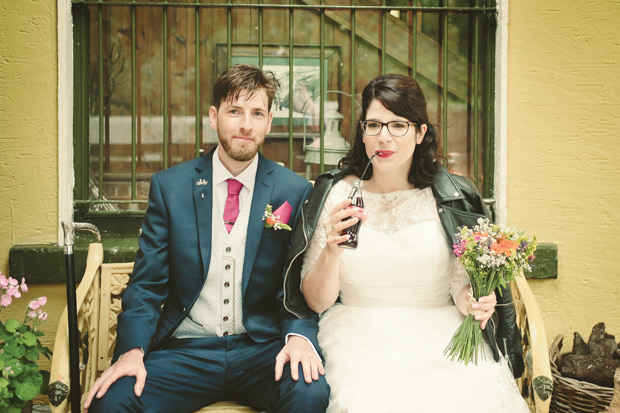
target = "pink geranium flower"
x: 23, y: 285
x: 6, y: 300
x: 35, y: 304
x: 12, y: 291
x: 3, y: 281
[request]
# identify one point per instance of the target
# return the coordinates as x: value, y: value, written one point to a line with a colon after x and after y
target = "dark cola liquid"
x: 354, y: 230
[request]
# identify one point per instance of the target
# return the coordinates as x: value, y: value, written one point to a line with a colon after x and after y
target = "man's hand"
x: 129, y: 364
x: 298, y: 350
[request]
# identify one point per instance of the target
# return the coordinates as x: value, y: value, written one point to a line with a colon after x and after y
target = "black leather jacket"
x: 458, y: 203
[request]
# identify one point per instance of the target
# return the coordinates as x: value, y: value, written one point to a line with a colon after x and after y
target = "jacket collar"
x: 444, y: 188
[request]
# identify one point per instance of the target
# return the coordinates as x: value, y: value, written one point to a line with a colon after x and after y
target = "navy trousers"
x: 189, y: 374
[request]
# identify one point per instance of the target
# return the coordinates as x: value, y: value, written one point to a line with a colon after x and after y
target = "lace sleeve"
x: 319, y: 239
x: 459, y: 278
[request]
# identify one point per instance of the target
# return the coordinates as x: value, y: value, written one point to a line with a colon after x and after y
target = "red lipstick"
x: 384, y: 154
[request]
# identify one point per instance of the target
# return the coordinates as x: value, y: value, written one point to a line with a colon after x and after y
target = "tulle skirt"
x: 391, y: 360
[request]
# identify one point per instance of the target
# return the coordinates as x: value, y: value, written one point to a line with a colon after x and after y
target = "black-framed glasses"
x: 395, y: 127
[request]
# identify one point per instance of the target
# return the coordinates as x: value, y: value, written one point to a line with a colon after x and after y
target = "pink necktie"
x: 231, y: 209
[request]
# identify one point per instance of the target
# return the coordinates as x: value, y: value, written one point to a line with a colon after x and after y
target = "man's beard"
x: 239, y: 154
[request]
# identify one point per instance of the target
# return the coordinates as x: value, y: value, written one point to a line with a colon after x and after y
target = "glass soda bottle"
x: 356, y: 201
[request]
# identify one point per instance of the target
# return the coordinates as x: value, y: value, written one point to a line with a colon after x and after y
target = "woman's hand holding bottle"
x: 343, y: 216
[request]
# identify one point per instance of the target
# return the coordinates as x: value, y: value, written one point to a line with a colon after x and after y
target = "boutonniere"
x: 278, y: 219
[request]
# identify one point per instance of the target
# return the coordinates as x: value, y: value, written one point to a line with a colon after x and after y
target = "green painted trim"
x: 488, y: 155
x: 546, y: 262
x: 45, y: 263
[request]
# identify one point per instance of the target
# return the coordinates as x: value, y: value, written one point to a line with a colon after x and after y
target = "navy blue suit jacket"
x: 172, y: 262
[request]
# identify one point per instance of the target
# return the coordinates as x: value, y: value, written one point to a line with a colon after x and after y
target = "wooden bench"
x: 99, y: 302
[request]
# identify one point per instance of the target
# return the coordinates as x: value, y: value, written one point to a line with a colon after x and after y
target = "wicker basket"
x: 570, y: 395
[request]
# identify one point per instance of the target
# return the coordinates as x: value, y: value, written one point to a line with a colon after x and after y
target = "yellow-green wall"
x: 28, y: 124
x: 563, y: 168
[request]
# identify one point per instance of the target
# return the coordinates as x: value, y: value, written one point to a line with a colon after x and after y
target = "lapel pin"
x: 201, y: 182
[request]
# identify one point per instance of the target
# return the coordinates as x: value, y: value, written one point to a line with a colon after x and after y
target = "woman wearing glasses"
x: 390, y: 307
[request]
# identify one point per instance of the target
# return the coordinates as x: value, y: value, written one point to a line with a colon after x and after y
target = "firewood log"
x: 594, y: 361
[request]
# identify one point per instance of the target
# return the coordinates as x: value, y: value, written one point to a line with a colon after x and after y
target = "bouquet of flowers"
x: 492, y: 257
x: 20, y: 348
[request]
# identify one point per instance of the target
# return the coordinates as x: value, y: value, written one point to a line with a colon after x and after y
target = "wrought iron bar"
x: 456, y: 9
x: 164, y: 111
x: 352, y: 122
x: 414, y: 42
x: 476, y: 97
x: 322, y: 92
x: 291, y: 58
x: 260, y: 37
x: 198, y: 128
x: 383, y: 52
x: 101, y: 100
x: 134, y: 101
x: 444, y: 83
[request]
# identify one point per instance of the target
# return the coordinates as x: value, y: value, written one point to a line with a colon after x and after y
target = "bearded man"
x: 206, y: 255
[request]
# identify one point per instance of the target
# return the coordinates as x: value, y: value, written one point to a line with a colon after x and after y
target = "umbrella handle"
x: 69, y: 229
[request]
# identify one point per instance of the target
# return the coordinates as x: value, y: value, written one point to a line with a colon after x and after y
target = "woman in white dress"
x: 389, y: 308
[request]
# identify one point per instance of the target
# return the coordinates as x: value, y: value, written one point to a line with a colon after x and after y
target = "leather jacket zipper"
x: 303, y: 223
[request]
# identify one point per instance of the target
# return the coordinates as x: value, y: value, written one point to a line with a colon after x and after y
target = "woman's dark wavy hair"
x: 403, y: 96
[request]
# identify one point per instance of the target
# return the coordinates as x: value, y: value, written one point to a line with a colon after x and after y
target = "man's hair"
x: 248, y: 79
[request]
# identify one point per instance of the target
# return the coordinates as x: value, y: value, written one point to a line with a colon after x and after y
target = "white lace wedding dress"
x: 383, y: 343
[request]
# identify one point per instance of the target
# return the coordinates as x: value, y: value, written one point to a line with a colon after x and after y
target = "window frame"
x: 80, y: 119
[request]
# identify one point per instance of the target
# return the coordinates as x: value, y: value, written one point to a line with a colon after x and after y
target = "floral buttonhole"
x: 278, y: 219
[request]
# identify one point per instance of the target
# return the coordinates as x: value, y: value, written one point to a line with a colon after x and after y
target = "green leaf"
x: 4, y: 335
x: 29, y: 338
x: 5, y: 396
x: 12, y: 325
x: 12, y: 409
x: 14, y: 351
x: 46, y: 381
x: 30, y: 385
x: 23, y: 328
x: 15, y: 371
x: 32, y: 354
x: 3, y: 383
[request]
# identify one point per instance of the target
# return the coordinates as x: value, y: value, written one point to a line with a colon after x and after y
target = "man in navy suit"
x: 207, y: 256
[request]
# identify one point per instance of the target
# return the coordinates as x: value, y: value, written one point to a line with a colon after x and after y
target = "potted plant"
x: 20, y: 348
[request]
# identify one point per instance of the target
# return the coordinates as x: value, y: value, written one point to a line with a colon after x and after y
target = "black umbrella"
x: 69, y: 229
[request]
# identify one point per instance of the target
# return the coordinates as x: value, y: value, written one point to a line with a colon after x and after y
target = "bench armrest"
x: 536, y: 383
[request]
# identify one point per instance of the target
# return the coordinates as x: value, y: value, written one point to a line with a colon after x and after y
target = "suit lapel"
x: 203, y: 201
x: 263, y: 187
